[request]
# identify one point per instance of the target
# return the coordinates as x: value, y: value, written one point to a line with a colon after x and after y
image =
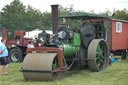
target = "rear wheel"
x: 16, y: 55
x: 98, y: 55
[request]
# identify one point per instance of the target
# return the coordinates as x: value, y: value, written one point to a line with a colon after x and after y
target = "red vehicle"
x: 17, y: 47
x: 116, y: 34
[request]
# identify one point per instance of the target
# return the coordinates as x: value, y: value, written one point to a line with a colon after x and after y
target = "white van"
x: 34, y: 33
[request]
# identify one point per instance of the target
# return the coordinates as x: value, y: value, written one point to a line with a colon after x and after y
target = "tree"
x: 72, y: 23
x: 33, y: 18
x: 12, y: 15
x: 17, y: 16
x: 106, y: 13
x: 47, y: 20
x: 121, y: 14
x: 0, y: 18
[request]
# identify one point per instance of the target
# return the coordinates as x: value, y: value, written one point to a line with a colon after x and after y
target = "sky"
x: 98, y: 6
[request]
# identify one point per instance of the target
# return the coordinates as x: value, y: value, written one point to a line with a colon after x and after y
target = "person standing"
x: 3, y: 57
x: 30, y: 44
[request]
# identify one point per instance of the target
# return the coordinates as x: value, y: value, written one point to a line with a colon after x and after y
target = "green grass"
x: 116, y: 74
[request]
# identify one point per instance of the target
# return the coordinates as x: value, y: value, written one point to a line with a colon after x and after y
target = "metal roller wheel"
x: 97, y: 55
x: 40, y: 66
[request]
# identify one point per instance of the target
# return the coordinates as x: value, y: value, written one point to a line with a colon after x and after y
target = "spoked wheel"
x: 98, y: 55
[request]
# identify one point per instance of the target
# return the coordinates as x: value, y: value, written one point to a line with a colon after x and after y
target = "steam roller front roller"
x: 40, y: 66
x: 97, y: 55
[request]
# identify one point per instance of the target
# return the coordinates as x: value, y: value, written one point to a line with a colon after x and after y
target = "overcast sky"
x: 78, y: 5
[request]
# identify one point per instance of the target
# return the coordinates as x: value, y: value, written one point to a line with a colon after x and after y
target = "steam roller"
x: 69, y: 49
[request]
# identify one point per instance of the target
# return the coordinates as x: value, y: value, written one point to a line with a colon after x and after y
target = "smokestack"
x: 54, y: 18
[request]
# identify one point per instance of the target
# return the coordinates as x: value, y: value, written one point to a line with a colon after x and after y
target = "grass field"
x: 116, y: 74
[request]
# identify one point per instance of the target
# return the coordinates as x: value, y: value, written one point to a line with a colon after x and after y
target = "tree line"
x: 17, y: 16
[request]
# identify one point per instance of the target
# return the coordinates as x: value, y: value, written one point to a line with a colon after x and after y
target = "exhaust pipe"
x: 55, y: 18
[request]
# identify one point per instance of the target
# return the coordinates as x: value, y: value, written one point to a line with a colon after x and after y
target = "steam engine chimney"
x: 54, y: 18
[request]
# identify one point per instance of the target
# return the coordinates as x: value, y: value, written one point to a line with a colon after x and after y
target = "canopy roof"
x: 84, y: 15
